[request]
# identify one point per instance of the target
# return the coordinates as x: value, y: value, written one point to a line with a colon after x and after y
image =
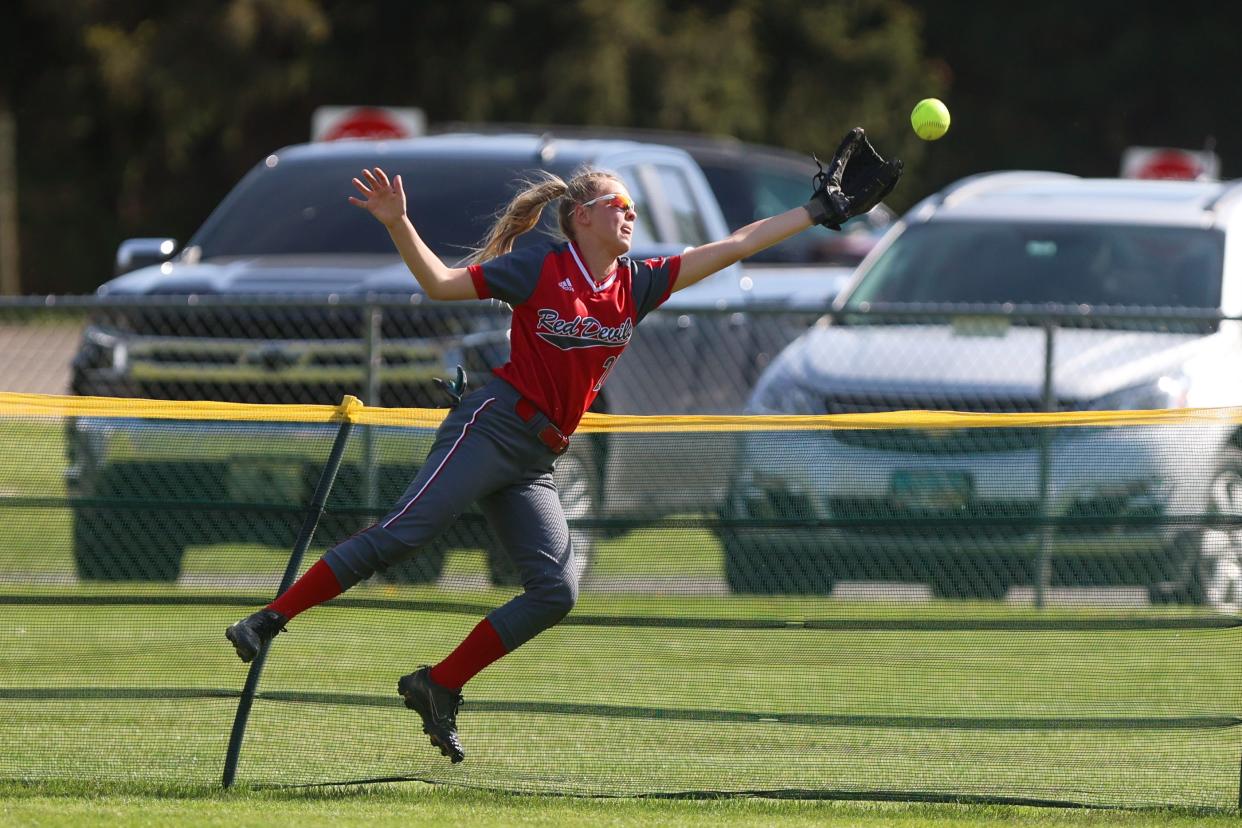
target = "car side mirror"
x: 135, y: 253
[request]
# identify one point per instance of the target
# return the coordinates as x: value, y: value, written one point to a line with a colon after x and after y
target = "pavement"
x: 35, y: 359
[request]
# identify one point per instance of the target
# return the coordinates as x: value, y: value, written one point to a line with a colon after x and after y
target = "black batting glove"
x: 856, y: 180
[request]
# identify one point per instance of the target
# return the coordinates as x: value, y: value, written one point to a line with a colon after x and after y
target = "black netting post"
x: 314, y: 512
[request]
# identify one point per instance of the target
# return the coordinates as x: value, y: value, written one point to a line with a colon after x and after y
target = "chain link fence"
x: 696, y: 360
x: 387, y: 350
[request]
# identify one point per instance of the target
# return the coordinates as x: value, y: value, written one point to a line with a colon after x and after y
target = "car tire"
x: 1218, y: 568
x: 1218, y: 575
x: 964, y: 578
x: 756, y: 564
x: 123, y: 545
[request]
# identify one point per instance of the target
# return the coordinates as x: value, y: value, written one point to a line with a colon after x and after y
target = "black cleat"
x: 438, y: 706
x: 252, y: 632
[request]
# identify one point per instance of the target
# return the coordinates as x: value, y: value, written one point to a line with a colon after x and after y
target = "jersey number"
x: 608, y: 363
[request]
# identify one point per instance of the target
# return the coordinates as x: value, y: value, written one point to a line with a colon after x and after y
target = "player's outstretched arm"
x: 700, y: 262
x: 855, y: 181
x: 385, y: 200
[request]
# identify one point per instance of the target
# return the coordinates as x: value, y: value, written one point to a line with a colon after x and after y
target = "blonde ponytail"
x: 525, y: 209
x: 521, y: 214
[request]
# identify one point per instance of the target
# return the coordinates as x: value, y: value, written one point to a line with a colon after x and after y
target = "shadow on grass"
x: 677, y: 714
x: 409, y: 789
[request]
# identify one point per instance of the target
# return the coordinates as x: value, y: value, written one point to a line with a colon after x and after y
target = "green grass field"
x: 118, y: 700
x: 642, y: 695
x: 54, y: 805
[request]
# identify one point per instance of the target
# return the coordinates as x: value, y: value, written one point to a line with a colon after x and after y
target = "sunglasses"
x: 615, y: 201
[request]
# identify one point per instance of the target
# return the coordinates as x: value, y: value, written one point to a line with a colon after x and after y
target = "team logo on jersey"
x: 581, y: 331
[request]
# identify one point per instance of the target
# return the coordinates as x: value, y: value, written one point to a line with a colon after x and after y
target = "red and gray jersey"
x: 567, y: 331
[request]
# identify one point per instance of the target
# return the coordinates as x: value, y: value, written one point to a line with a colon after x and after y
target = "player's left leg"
x: 530, y: 524
x: 528, y: 519
x: 468, y: 459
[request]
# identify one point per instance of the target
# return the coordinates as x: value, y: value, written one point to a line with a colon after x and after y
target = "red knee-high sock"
x: 317, y: 585
x: 481, y: 648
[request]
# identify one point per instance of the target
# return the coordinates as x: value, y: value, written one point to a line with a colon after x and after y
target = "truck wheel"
x: 965, y: 578
x: 124, y: 546
x: 744, y: 569
x: 761, y: 566
x: 1218, y: 574
x: 1218, y: 570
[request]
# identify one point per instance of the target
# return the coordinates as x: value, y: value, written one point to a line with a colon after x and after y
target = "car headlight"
x: 784, y: 397
x: 102, y: 349
x: 1169, y: 391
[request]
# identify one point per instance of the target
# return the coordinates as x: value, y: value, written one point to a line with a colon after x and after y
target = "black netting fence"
x: 1024, y: 607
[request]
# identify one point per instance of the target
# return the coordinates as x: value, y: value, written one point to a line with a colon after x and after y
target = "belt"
x: 549, y: 435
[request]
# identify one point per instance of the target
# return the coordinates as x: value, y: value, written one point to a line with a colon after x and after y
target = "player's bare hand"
x: 381, y: 198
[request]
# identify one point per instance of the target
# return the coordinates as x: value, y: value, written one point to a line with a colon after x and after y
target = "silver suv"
x: 1016, y: 292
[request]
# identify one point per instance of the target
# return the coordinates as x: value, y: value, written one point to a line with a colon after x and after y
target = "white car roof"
x: 1054, y: 197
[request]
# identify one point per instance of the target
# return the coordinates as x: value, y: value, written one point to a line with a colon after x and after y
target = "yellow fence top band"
x: 352, y: 409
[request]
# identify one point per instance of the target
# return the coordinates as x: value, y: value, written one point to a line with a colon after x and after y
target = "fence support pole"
x: 1043, y: 564
x: 315, y: 511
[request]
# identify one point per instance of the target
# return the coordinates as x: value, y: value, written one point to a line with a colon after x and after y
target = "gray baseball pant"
x: 483, y: 452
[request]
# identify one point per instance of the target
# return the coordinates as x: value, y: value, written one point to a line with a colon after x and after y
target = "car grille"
x: 978, y: 518
x: 946, y: 441
x: 273, y: 371
x: 281, y: 353
x: 425, y: 395
x: 290, y: 323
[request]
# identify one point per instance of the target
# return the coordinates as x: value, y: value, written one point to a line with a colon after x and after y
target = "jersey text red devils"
x: 580, y: 332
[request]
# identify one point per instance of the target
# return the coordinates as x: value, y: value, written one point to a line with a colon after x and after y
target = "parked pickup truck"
x: 349, y: 319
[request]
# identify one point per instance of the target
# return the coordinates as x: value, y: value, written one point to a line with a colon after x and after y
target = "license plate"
x: 266, y: 480
x: 931, y: 490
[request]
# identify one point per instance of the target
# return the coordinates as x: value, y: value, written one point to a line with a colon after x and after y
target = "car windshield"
x: 300, y: 207
x: 1038, y: 263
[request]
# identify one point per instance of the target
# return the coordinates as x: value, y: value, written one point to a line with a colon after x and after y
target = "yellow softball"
x: 930, y: 119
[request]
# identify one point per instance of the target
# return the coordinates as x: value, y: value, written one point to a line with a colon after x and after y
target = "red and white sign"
x: 1170, y: 163
x: 334, y: 123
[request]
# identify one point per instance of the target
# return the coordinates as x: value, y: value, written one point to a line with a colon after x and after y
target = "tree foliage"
x: 141, y: 116
x: 135, y: 116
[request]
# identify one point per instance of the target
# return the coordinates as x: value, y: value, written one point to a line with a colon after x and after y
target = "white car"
x: 1014, y: 292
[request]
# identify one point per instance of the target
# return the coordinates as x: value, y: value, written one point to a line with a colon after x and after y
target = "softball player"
x: 575, y: 305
